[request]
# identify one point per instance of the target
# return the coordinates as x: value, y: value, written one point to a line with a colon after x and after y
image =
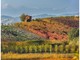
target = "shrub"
x: 56, y: 48
x: 72, y: 49
x: 11, y: 48
x: 45, y: 48
x: 61, y: 48
x: 3, y: 49
x: 20, y: 49
x: 50, y: 48
x: 16, y: 49
x: 26, y: 49
x: 40, y: 48
x: 77, y: 50
x: 30, y: 49
x: 73, y: 33
x: 35, y: 48
x: 67, y: 48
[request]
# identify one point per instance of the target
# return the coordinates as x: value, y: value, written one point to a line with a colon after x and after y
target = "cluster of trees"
x: 27, y: 49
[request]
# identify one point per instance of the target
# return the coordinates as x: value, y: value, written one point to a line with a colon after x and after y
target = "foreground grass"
x: 37, y: 56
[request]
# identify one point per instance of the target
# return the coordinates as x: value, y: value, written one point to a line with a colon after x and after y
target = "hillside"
x: 53, y: 28
x: 40, y: 36
x: 56, y: 28
x: 11, y: 33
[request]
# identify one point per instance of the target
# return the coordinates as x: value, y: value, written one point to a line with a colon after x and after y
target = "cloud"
x: 4, y: 5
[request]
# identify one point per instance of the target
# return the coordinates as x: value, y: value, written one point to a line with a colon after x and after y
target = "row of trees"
x: 40, y: 49
x: 27, y: 49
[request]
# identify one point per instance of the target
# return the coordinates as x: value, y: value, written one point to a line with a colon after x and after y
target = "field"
x: 35, y: 50
x: 38, y: 56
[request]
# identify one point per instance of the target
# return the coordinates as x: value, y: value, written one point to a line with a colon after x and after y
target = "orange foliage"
x: 51, y: 28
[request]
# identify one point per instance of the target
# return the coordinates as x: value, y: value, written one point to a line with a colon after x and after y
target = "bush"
x: 45, y: 48
x: 30, y: 49
x: 67, y: 48
x: 20, y: 49
x: 35, y: 49
x: 50, y: 48
x: 61, y: 48
x: 16, y: 49
x: 4, y: 49
x: 72, y: 49
x: 56, y: 48
x: 26, y: 49
x: 73, y: 33
x: 40, y: 48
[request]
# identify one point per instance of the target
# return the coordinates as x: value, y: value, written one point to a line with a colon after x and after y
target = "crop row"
x: 40, y: 48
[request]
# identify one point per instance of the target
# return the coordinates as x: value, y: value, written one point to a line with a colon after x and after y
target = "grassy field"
x: 38, y: 56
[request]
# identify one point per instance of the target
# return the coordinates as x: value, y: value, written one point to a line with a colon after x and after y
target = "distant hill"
x: 42, y: 16
x: 53, y: 15
x: 9, y: 20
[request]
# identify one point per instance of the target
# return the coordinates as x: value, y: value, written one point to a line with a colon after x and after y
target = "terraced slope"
x: 11, y: 33
x: 51, y: 28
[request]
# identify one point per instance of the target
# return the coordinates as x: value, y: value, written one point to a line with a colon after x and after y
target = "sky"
x: 35, y: 7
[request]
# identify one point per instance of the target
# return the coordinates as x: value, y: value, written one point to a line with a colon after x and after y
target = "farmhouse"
x: 28, y: 18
